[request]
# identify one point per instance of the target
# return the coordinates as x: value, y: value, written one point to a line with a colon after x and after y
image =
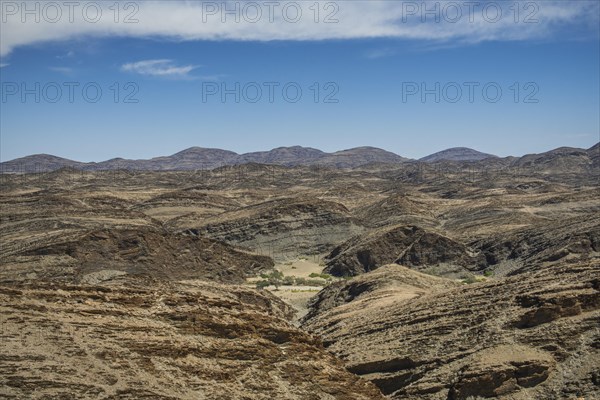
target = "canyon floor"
x: 445, y: 280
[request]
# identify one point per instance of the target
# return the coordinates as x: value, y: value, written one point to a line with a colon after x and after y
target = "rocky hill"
x: 73, y: 236
x: 407, y: 245
x: 37, y: 163
x: 191, y: 202
x: 561, y: 160
x: 281, y: 228
x: 150, y: 339
x: 532, y: 336
x: 289, y: 156
x: 93, y: 255
x: 189, y: 159
x: 359, y: 156
x: 395, y: 209
x: 457, y: 154
x: 533, y: 247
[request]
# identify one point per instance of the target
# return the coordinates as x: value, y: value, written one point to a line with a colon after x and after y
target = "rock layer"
x: 189, y: 340
x: 406, y: 245
x: 531, y: 336
x: 283, y: 227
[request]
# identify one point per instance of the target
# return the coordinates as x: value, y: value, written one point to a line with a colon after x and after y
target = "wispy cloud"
x: 68, y: 54
x: 62, y: 70
x: 357, y: 19
x: 161, y: 68
x: 4, y: 65
x: 380, y: 53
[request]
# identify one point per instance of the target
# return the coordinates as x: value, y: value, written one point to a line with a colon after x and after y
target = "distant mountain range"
x: 196, y: 158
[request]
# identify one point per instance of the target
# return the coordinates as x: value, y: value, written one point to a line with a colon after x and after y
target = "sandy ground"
x: 297, y: 296
x: 301, y: 268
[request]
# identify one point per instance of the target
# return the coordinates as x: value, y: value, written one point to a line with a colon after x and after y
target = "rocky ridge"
x: 531, y: 336
x: 149, y: 339
x: 407, y: 245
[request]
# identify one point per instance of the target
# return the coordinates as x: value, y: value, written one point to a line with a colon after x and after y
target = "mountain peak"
x: 201, y: 150
x: 457, y: 154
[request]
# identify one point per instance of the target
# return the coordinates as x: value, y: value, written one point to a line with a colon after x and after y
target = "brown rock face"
x: 283, y: 227
x: 531, y: 336
x: 407, y: 245
x: 187, y: 340
x: 141, y: 251
x: 66, y: 235
x: 396, y: 209
x: 393, y: 282
x: 550, y: 242
x: 501, y: 370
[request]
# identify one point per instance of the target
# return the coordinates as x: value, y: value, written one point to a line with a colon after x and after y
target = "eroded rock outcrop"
x: 565, y: 240
x: 143, y: 251
x: 283, y: 227
x: 150, y: 339
x: 407, y: 245
x: 531, y: 336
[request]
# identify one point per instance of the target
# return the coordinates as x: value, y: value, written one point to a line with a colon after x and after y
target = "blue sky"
x: 369, y: 63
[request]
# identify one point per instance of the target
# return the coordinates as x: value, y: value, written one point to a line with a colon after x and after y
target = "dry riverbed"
x: 299, y: 281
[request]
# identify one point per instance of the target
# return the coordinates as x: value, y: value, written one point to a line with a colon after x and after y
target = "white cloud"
x: 4, y: 65
x: 191, y: 20
x: 162, y: 68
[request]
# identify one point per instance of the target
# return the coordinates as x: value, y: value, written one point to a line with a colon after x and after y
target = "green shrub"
x: 469, y: 280
x: 322, y: 276
x: 262, y: 284
x: 288, y: 281
x: 277, y: 275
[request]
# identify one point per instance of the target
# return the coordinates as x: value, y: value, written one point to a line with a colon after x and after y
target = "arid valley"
x: 300, y: 200
x: 296, y: 275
